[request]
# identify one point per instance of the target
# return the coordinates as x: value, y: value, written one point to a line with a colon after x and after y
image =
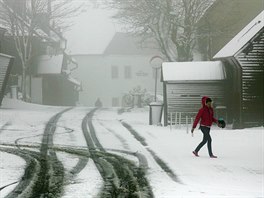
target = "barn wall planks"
x: 251, y: 59
x: 186, y: 97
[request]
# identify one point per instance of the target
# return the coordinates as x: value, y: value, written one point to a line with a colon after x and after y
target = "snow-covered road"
x: 86, y: 144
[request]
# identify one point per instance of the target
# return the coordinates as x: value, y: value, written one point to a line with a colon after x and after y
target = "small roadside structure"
x: 184, y: 83
x: 6, y: 63
x: 53, y: 83
x: 243, y: 57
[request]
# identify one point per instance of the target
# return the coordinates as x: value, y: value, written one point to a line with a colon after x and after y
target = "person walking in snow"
x: 98, y: 103
x: 206, y: 117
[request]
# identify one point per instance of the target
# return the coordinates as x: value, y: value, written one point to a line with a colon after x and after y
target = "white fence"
x: 181, y: 120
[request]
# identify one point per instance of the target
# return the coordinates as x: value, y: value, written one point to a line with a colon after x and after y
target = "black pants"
x: 206, y: 138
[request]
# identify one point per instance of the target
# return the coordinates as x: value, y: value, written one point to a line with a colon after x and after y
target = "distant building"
x: 124, y: 65
x: 52, y: 82
x: 48, y: 79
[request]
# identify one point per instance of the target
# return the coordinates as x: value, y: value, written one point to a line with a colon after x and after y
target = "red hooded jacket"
x: 205, y: 114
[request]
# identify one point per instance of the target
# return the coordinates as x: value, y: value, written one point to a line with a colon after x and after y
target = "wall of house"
x: 36, y: 90
x: 96, y: 74
x: 57, y: 90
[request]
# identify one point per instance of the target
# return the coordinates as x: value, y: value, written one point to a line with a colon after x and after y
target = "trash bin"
x: 13, y: 91
x: 155, y: 113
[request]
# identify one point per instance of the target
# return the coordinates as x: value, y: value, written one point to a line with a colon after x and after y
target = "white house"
x: 124, y: 65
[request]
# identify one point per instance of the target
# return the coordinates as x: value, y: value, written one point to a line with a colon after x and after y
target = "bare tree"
x: 26, y: 20
x: 172, y: 23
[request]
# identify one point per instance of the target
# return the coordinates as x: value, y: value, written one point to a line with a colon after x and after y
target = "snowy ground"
x: 172, y: 170
x: 237, y: 172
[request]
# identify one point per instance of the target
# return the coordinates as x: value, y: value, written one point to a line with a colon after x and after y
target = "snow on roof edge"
x: 242, y: 38
x: 193, y: 71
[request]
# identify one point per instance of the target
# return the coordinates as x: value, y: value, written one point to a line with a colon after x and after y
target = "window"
x: 128, y: 72
x: 114, y: 71
x: 115, y: 102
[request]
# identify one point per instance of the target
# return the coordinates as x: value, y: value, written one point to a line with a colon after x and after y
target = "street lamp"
x: 155, y: 63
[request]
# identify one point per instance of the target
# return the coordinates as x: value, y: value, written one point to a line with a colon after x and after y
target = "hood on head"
x: 204, y: 100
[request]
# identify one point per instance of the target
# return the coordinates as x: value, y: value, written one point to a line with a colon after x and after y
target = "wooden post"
x: 187, y: 124
x: 176, y: 115
x: 170, y: 120
x: 180, y: 119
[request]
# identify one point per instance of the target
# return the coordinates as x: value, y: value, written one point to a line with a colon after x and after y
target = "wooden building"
x: 185, y: 83
x: 243, y: 57
x: 48, y: 75
x: 52, y: 83
x: 5, y: 68
x: 222, y: 21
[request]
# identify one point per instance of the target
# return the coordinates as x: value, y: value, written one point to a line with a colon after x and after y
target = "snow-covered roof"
x: 191, y: 71
x: 242, y: 38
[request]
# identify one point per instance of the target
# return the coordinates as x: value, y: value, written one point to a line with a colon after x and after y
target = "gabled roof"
x: 192, y: 71
x: 127, y: 44
x: 242, y: 38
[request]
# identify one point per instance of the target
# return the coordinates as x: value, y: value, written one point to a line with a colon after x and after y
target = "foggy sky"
x: 92, y: 31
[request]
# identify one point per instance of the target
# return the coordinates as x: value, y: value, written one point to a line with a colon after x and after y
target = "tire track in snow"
x: 32, y: 169
x: 4, y: 126
x: 141, y: 158
x: 122, y: 178
x: 51, y: 177
x: 119, y: 137
x: 44, y: 173
x: 159, y: 161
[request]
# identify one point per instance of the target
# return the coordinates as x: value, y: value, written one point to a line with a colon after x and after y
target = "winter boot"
x: 195, y: 153
x: 213, y: 156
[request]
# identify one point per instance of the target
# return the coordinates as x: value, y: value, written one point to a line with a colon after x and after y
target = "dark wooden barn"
x: 185, y: 83
x: 243, y: 57
x: 5, y: 68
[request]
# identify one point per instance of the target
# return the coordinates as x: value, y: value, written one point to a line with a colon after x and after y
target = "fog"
x: 98, y: 59
x: 101, y: 102
x: 91, y: 31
